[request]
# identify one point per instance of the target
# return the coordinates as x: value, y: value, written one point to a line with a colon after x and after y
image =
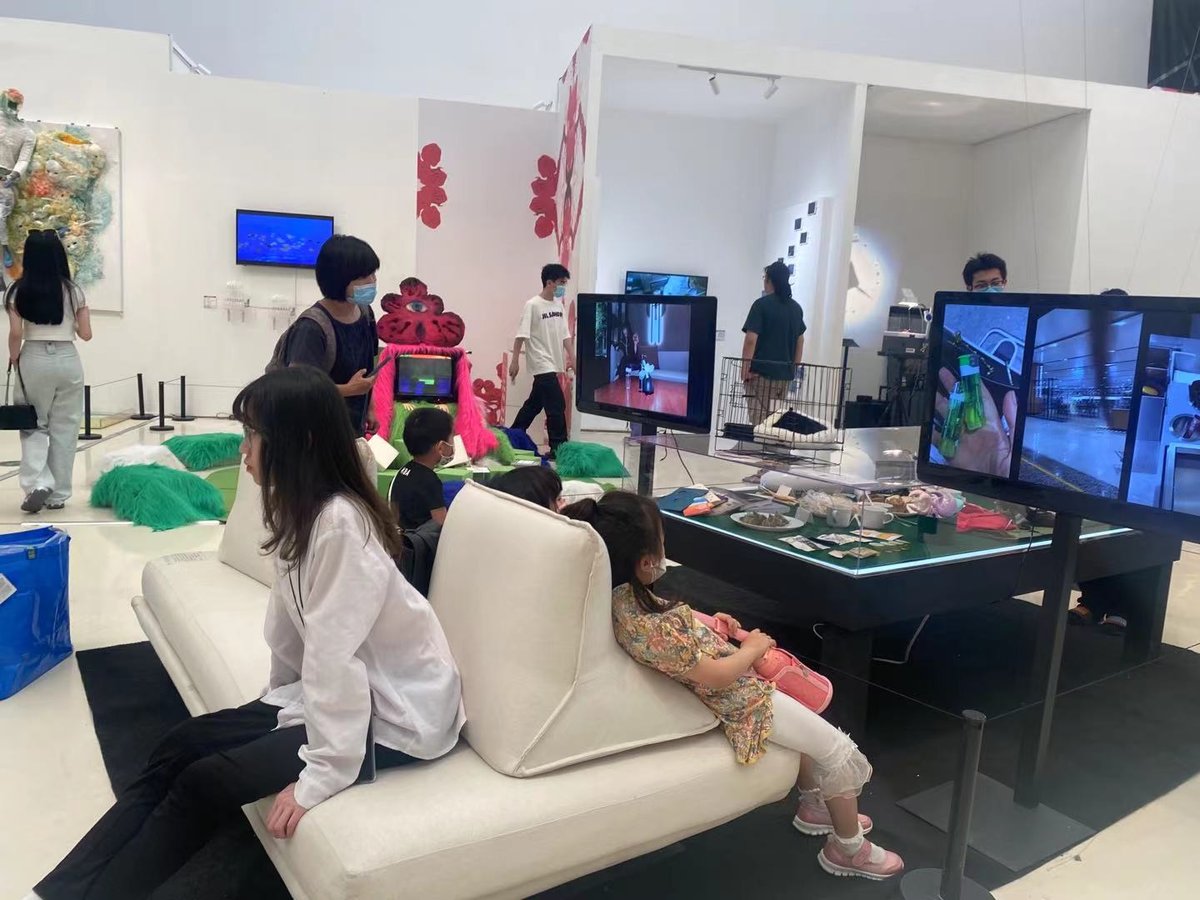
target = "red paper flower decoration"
x: 431, y: 177
x: 494, y: 398
x: 571, y: 153
x: 543, y: 205
x: 415, y: 316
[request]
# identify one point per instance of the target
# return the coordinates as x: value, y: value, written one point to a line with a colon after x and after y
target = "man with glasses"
x: 985, y: 273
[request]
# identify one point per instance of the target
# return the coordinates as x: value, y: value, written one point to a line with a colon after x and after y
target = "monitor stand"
x: 646, y: 450
x: 1011, y: 825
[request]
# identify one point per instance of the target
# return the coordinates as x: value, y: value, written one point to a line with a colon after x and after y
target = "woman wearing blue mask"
x: 338, y: 335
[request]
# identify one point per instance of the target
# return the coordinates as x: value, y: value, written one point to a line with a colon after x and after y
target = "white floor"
x: 52, y: 780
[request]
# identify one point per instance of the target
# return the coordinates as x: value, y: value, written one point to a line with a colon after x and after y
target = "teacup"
x: 839, y: 516
x: 875, y: 515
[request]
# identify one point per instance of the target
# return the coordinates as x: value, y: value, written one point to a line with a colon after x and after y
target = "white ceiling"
x: 920, y: 115
x: 632, y: 84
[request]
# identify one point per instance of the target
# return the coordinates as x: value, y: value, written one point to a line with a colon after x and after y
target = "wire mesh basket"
x: 785, y: 418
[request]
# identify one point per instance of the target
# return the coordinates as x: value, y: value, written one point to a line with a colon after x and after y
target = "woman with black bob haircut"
x: 46, y: 313
x: 345, y: 271
x: 361, y: 673
x: 540, y: 485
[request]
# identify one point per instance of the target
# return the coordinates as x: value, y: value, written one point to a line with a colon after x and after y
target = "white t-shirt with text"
x: 543, y: 325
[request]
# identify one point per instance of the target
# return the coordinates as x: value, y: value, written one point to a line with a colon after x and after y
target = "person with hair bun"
x: 666, y: 636
x: 774, y: 344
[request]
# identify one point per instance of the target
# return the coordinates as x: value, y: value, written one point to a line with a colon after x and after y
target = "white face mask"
x: 660, y: 569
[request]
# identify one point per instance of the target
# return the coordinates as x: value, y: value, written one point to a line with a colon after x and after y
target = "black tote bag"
x: 16, y: 416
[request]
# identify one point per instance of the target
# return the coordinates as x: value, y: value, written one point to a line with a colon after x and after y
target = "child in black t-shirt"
x: 416, y: 495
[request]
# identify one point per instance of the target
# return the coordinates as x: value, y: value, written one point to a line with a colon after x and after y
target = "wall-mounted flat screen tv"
x: 658, y: 284
x: 1088, y: 405
x: 291, y: 240
x: 647, y: 359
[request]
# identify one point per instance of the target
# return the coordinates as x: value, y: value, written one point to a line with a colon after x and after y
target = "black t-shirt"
x: 356, y: 346
x: 416, y: 492
x: 779, y: 323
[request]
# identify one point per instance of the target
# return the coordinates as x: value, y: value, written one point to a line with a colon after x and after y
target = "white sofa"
x: 573, y: 759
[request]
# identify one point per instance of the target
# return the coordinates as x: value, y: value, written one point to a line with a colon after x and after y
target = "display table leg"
x: 846, y: 661
x: 1145, y: 598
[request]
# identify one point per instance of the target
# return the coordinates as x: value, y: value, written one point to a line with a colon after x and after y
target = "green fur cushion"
x: 206, y: 451
x: 396, y: 439
x: 505, y: 455
x: 579, y: 459
x: 158, y: 497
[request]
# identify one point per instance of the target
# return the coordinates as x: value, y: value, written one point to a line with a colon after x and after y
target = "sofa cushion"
x: 544, y: 682
x: 213, y: 618
x: 454, y: 828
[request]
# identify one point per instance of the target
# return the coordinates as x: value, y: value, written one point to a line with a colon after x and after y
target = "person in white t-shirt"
x: 543, y: 333
x: 361, y: 676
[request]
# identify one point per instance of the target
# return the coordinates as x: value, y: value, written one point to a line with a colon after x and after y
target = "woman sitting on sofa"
x: 361, y: 673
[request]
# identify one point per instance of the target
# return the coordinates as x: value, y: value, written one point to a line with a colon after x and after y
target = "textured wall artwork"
x: 74, y: 186
x: 431, y: 185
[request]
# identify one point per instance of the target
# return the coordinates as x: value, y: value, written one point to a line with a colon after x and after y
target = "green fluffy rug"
x: 504, y: 453
x: 158, y: 497
x: 205, y: 451
x: 580, y: 459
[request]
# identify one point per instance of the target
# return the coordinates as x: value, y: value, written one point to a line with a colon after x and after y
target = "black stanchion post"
x: 162, y: 410
x: 183, y: 416
x: 88, y: 434
x: 142, y: 415
x: 949, y: 882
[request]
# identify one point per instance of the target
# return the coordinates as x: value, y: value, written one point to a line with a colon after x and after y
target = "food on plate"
x: 765, y: 520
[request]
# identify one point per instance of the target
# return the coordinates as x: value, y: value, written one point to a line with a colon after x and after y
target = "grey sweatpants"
x: 53, y: 377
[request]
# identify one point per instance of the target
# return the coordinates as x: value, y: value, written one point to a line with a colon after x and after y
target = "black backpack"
x: 318, y: 314
x: 420, y: 548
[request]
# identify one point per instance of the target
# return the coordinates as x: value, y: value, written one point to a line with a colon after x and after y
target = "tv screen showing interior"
x: 660, y: 285
x: 647, y: 359
x: 1080, y: 404
x: 429, y: 378
x: 280, y: 239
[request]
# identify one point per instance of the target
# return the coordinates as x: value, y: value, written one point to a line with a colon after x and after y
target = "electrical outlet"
x: 210, y: 302
x: 720, y: 334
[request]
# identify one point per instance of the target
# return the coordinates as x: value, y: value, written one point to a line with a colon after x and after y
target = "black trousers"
x: 546, y: 394
x: 198, y: 778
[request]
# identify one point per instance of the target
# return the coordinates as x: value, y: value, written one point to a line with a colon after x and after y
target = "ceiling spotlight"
x: 772, y: 87
x: 712, y: 83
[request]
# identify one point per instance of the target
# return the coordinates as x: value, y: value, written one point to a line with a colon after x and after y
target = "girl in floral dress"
x: 667, y: 637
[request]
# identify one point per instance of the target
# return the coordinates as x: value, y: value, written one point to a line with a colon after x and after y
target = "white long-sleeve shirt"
x: 351, y: 640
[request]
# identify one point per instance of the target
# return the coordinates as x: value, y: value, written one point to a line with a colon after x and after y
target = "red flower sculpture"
x: 431, y: 177
x: 543, y: 205
x: 494, y: 398
x: 571, y: 153
x: 415, y: 316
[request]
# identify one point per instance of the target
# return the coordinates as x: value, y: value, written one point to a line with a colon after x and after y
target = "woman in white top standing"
x: 46, y: 313
x: 361, y: 672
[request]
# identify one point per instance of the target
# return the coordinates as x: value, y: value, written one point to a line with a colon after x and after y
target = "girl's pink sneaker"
x: 815, y: 821
x: 871, y: 861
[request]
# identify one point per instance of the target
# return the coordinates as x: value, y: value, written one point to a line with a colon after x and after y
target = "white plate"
x: 792, y: 523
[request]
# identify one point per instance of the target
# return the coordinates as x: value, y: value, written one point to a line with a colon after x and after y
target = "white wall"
x: 194, y: 149
x: 913, y: 203
x: 1026, y: 190
x: 685, y: 195
x: 510, y: 53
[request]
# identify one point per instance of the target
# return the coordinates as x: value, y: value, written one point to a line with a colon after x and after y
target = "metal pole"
x: 162, y: 407
x: 88, y: 434
x: 949, y: 883
x: 183, y: 416
x: 142, y: 415
x: 645, y: 485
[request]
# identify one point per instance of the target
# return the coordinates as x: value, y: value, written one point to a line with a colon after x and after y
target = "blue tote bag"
x: 35, y: 626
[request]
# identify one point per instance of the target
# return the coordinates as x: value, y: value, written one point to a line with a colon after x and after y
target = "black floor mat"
x: 1121, y: 738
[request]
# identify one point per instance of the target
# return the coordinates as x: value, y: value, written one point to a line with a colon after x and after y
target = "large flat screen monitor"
x: 289, y: 240
x: 647, y: 359
x: 1080, y: 404
x: 659, y: 284
x: 424, y: 377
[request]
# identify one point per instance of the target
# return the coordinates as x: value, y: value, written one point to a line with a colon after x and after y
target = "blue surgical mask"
x: 990, y: 289
x: 560, y: 291
x: 364, y: 295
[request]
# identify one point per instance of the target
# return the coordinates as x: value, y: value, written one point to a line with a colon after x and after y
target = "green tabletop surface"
x: 927, y: 541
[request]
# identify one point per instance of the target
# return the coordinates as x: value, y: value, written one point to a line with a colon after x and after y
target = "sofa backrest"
x: 524, y: 596
x: 245, y: 533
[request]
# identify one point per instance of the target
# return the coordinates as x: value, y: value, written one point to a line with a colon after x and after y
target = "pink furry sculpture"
x: 468, y: 423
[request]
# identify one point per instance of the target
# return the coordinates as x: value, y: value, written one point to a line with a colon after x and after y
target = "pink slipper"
x: 871, y: 861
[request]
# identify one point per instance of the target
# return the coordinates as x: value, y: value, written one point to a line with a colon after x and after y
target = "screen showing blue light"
x: 280, y: 239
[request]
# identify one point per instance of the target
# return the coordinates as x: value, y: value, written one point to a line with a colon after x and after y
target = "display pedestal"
x: 1013, y: 827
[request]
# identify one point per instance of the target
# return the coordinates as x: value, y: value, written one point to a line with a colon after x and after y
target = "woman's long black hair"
x: 631, y: 528
x: 780, y: 278
x: 308, y: 457
x: 45, y: 278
